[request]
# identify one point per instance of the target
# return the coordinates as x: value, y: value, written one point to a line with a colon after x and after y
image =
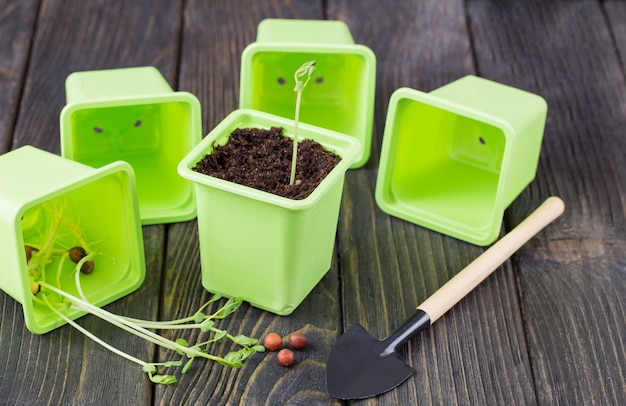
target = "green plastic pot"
x: 454, y: 159
x: 103, y: 201
x: 132, y: 114
x: 269, y: 250
x: 340, y: 95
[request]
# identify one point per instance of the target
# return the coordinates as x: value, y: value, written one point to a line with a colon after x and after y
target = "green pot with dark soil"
x: 132, y: 114
x: 340, y: 97
x: 57, y: 215
x: 268, y: 249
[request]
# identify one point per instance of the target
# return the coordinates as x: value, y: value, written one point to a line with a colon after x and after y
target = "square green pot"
x: 454, y: 159
x: 340, y: 95
x: 132, y: 114
x: 269, y: 250
x: 103, y: 201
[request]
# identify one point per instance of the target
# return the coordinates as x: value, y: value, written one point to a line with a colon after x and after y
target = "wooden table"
x: 548, y: 327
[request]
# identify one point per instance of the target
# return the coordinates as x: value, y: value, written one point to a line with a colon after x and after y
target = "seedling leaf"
x: 149, y: 368
x: 187, y: 365
x: 231, y: 305
x: 207, y: 325
x: 245, y: 341
x: 198, y: 317
x: 183, y: 342
x: 219, y: 334
x: 163, y: 379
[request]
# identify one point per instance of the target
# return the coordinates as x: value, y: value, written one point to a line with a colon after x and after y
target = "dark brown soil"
x: 261, y: 159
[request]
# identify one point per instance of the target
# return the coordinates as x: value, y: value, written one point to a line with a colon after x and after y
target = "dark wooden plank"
x: 63, y: 367
x: 215, y: 34
x: 476, y: 353
x: 16, y: 29
x: 615, y: 12
x: 573, y: 276
x: 93, y: 36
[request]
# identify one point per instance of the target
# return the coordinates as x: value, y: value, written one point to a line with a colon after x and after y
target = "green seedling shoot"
x: 62, y: 230
x: 306, y: 69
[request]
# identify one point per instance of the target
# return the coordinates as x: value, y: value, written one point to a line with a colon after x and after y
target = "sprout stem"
x: 306, y: 69
x: 170, y: 323
x: 91, y: 335
x: 294, y: 154
x: 60, y: 268
x: 77, y: 269
x: 133, y: 328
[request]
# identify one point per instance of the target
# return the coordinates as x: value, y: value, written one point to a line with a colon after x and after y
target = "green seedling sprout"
x: 306, y: 69
x: 62, y: 227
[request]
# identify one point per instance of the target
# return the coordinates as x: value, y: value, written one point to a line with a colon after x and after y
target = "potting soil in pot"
x: 261, y: 159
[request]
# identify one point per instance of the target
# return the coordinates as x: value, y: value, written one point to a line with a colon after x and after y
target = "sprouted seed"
x: 76, y: 254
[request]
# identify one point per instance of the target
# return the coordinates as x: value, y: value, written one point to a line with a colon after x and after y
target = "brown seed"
x: 76, y: 254
x: 297, y: 341
x: 273, y: 342
x: 88, y: 267
x: 285, y: 357
x: 29, y: 252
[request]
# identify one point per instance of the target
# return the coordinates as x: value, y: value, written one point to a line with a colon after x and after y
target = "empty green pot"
x: 269, y: 250
x: 454, y: 159
x: 132, y: 114
x: 340, y: 95
x: 36, y: 189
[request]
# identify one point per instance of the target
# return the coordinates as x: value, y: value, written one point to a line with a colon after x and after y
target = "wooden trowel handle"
x: 473, y: 274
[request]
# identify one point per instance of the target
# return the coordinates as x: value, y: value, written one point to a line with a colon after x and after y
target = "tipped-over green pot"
x: 47, y: 200
x: 454, y: 159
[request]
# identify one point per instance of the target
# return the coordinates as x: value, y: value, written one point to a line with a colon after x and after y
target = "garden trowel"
x: 360, y: 366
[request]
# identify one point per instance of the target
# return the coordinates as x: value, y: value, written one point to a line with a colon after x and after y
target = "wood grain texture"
x: 72, y: 36
x: 423, y: 45
x: 615, y: 13
x: 64, y: 366
x: 573, y: 276
x: 16, y: 28
x: 546, y: 328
